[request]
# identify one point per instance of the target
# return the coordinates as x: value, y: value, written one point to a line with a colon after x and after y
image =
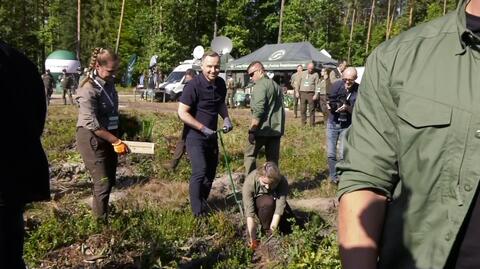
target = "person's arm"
x: 298, y: 84
x: 252, y: 229
x: 248, y: 190
x: 223, y: 111
x: 315, y: 87
x: 369, y: 171
x: 259, y: 97
x: 360, y: 222
x: 106, y: 135
x: 280, y: 202
x: 187, y: 118
x: 275, y: 222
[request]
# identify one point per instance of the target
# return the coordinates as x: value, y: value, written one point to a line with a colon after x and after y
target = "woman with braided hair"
x: 97, y: 127
x: 265, y: 195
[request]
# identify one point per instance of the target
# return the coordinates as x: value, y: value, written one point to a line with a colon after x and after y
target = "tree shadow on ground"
x: 310, y: 183
x: 225, y: 203
x: 125, y: 182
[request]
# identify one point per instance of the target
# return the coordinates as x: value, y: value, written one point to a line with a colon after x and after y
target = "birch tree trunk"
x: 444, y: 7
x: 388, y: 18
x: 120, y: 26
x: 345, y: 19
x: 78, y: 28
x: 351, y: 34
x: 390, y: 23
x: 215, y: 23
x: 282, y: 6
x: 410, y: 13
x: 370, y: 21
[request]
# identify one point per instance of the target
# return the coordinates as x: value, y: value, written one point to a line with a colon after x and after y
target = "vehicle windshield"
x: 175, y: 77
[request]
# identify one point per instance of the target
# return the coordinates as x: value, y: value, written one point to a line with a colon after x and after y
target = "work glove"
x: 227, y: 125
x: 120, y: 147
x: 251, y: 136
x: 253, y: 244
x: 207, y: 132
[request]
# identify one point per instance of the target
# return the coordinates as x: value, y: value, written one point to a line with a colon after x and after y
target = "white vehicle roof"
x: 185, y: 65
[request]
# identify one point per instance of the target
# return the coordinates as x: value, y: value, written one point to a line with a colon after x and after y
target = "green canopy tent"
x: 283, y: 57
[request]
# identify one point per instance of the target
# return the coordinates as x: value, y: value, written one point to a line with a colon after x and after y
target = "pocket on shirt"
x: 421, y: 112
x: 424, y: 133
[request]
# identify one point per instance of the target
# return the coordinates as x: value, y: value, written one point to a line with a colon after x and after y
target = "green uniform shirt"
x: 323, y: 87
x: 415, y: 137
x: 308, y: 82
x: 252, y: 189
x: 267, y: 106
x: 295, y: 80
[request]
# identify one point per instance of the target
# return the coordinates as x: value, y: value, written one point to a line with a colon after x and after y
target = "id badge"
x: 112, y: 123
x: 306, y: 83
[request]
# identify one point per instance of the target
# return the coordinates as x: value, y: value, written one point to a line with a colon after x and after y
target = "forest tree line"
x: 348, y: 29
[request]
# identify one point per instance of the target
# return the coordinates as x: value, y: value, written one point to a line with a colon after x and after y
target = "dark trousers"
x: 179, y: 151
x: 295, y: 104
x: 204, y: 160
x: 229, y: 99
x: 265, y: 208
x: 272, y: 151
x: 64, y: 96
x: 306, y: 98
x: 101, y: 162
x: 11, y: 237
x: 322, y: 99
x: 48, y: 93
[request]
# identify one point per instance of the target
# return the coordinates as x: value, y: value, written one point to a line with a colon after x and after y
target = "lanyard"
x: 104, y: 91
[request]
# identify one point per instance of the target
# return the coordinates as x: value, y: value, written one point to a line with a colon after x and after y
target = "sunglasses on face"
x: 349, y: 80
x: 252, y: 73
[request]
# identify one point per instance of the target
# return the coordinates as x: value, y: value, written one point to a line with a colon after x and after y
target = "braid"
x: 91, y: 66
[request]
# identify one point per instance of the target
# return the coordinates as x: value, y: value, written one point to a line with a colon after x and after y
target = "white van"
x: 173, y: 85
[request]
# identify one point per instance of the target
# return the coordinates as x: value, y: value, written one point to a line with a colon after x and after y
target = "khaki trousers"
x: 101, y: 162
x: 306, y: 98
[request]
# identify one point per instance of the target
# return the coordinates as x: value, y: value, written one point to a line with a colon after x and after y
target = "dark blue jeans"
x: 203, y: 156
x: 335, y: 135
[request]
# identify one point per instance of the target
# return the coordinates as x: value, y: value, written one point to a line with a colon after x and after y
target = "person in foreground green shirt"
x: 264, y: 195
x: 409, y: 179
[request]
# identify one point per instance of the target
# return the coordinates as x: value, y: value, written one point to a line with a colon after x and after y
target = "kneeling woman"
x: 97, y: 127
x: 265, y: 194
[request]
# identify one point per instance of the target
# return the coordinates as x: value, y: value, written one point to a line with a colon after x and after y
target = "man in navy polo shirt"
x: 340, y: 103
x: 202, y: 100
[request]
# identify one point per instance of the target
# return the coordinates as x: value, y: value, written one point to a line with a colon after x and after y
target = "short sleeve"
x: 370, y: 160
x: 259, y: 98
x: 223, y: 89
x: 87, y: 110
x: 189, y: 96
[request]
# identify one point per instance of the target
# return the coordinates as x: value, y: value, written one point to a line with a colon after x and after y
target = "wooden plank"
x: 141, y: 147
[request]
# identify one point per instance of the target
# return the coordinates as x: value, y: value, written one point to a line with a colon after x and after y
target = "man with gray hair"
x: 340, y: 103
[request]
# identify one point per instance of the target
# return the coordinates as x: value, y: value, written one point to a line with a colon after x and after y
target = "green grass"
x: 158, y: 236
x: 155, y: 235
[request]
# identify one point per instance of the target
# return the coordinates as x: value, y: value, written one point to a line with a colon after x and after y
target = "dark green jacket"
x: 415, y: 137
x: 252, y: 188
x: 267, y: 106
